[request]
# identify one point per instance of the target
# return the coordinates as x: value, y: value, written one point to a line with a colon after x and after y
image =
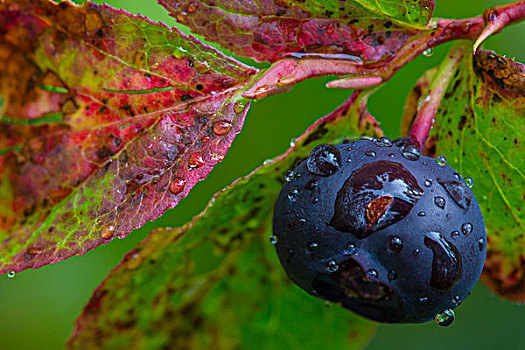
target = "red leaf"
x: 107, y: 120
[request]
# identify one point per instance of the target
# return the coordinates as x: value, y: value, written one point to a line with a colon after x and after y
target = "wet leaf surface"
x: 106, y: 121
x: 217, y: 281
x: 479, y: 129
x: 267, y: 30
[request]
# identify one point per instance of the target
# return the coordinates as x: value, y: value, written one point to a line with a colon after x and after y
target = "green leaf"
x: 217, y: 281
x: 366, y: 30
x: 106, y: 120
x: 480, y: 130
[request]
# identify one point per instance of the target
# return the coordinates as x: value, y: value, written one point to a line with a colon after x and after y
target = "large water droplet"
x: 177, y: 185
x: 375, y: 196
x: 108, y: 232
x: 466, y: 228
x: 428, y: 52
x: 331, y: 266
x: 446, y: 262
x: 10, y: 274
x: 324, y: 160
x: 445, y: 318
x: 395, y: 244
x: 411, y: 153
x: 384, y: 142
x: 439, y: 201
x: 458, y: 191
x: 441, y: 161
x: 469, y: 182
x: 221, y: 127
x: 239, y: 106
x: 274, y: 239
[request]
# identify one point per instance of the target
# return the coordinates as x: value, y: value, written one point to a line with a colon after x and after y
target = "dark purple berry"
x: 382, y: 235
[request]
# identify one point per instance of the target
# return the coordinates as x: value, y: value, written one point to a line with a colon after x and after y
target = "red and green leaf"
x: 217, y: 282
x: 106, y: 121
x: 268, y: 30
x: 479, y: 129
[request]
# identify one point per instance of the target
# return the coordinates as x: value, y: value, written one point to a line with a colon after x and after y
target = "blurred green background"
x: 38, y: 307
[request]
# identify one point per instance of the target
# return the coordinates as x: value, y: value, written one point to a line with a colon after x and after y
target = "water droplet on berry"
x: 349, y: 249
x: 466, y: 228
x: 445, y: 318
x: 370, y: 153
x: 439, y: 201
x: 324, y: 160
x: 454, y: 234
x: 415, y: 252
x: 411, y: 152
x: 293, y: 194
x: 331, y: 266
x: 456, y: 300
x: 428, y: 52
x: 312, y: 247
x: 448, y: 216
x: 423, y: 299
x: 428, y: 183
x: 392, y: 275
x: 288, y: 176
x: 301, y: 221
x: 421, y: 213
x: 177, y: 185
x: 469, y: 182
x: 395, y: 244
x: 384, y: 142
x: 221, y: 127
x: 10, y: 274
x: 371, y: 275
x: 446, y: 262
x: 441, y: 161
x: 458, y: 191
x: 274, y: 239
x: 311, y: 184
x: 481, y: 243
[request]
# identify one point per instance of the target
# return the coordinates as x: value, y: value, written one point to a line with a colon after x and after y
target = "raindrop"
x: 291, y: 253
x: 239, y: 106
x: 324, y: 160
x: 384, y: 142
x: 441, y: 161
x: 370, y: 153
x: 292, y: 142
x: 10, y: 274
x: 395, y: 244
x: 469, y: 182
x: 311, y: 184
x: 446, y: 262
x: 455, y: 234
x: 196, y: 160
x: 293, y: 194
x: 411, y: 153
x: 440, y: 202
x: 349, y: 160
x: 428, y: 52
x: 421, y: 213
x: 423, y: 299
x: 312, y: 247
x: 331, y: 266
x: 108, y: 232
x: 466, y: 228
x: 445, y: 318
x: 428, y: 183
x: 315, y: 200
x: 288, y: 176
x: 392, y: 275
x: 301, y: 221
x: 456, y: 300
x: 177, y: 185
x: 371, y: 274
x: 481, y: 243
x: 274, y: 239
x: 221, y: 127
x: 349, y: 249
x: 448, y: 216
x: 415, y: 252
